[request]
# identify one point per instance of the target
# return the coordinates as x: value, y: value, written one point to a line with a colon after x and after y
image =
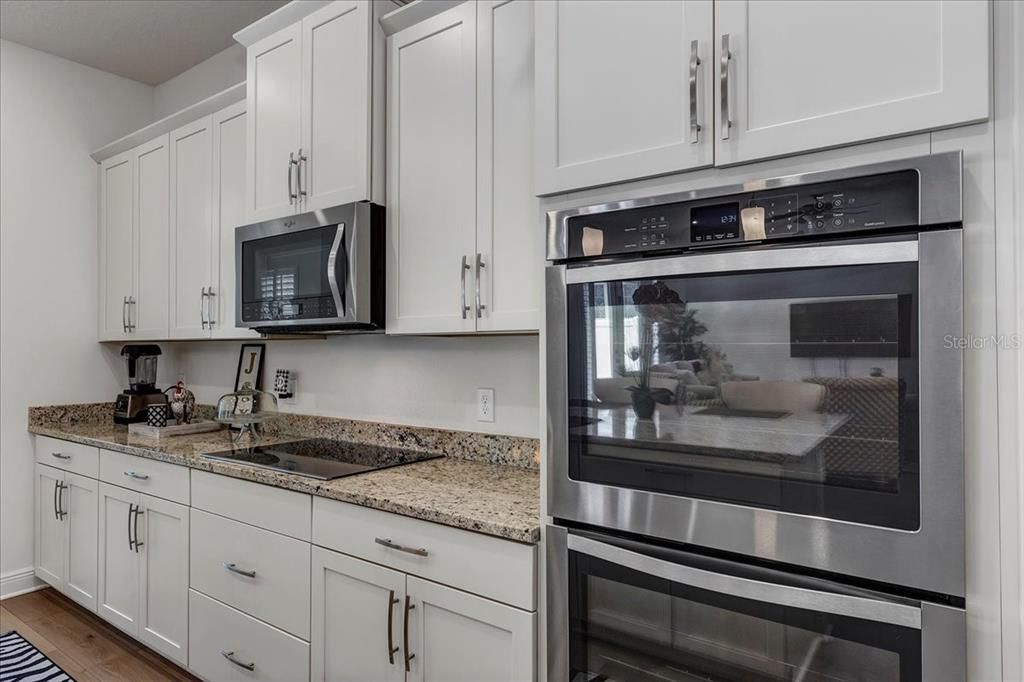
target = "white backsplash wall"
x: 418, y: 381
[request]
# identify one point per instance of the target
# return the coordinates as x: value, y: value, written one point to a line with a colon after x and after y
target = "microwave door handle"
x: 337, y: 270
x: 862, y: 608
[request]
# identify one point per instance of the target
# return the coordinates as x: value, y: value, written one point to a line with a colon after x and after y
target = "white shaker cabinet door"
x: 191, y: 231
x: 273, y: 89
x: 335, y: 105
x: 148, y: 311
x: 163, y: 561
x: 622, y: 87
x: 49, y: 535
x: 117, y: 260
x: 81, y: 522
x: 508, y: 270
x: 118, y: 592
x: 229, y: 212
x: 458, y: 637
x: 432, y: 174
x: 358, y: 619
x: 807, y: 75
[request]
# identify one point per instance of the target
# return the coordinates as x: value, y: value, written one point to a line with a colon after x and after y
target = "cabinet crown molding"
x: 280, y: 18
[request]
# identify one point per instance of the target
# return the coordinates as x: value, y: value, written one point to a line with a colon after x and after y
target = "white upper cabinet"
x: 509, y: 267
x: 622, y: 87
x: 313, y: 122
x: 117, y: 251
x: 191, y: 233
x: 464, y: 243
x: 273, y: 85
x: 432, y: 174
x: 228, y: 213
x: 335, y: 105
x: 152, y: 212
x: 808, y: 75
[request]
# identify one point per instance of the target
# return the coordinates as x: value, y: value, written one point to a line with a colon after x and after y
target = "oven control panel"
x: 818, y: 211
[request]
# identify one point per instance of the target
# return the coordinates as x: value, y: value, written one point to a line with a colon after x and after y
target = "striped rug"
x: 22, y: 662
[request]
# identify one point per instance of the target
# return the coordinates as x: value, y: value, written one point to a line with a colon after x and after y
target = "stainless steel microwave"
x: 317, y: 272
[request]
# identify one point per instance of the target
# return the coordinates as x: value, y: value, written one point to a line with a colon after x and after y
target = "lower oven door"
x: 799, y: 404
x: 622, y: 610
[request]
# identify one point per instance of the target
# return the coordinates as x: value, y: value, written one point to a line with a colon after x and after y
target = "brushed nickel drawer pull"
x: 59, y: 455
x: 386, y: 542
x: 137, y: 477
x: 239, y: 571
x: 230, y: 655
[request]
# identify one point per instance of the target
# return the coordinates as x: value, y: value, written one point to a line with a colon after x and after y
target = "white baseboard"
x: 19, y: 582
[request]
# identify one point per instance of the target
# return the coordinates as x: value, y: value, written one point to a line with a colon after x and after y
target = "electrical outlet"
x: 485, y: 404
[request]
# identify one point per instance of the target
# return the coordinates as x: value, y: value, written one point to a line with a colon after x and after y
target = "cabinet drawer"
x: 282, y: 511
x: 216, y: 629
x: 498, y: 569
x: 63, y: 454
x: 160, y: 479
x: 278, y: 589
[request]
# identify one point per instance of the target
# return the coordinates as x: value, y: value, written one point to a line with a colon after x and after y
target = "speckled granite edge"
x: 480, y: 447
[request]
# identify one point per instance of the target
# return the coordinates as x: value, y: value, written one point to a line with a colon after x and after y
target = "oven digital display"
x: 720, y: 221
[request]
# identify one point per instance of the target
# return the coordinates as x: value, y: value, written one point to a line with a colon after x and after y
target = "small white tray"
x: 172, y: 429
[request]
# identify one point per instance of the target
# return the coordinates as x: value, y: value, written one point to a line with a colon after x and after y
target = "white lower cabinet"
x: 227, y: 645
x: 357, y: 631
x: 66, y: 533
x: 387, y: 623
x: 143, y: 568
x: 459, y: 637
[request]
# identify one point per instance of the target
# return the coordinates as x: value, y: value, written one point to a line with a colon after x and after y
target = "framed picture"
x: 250, y: 365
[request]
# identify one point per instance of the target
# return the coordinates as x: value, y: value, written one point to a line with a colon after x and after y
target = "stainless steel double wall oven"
x: 755, y: 454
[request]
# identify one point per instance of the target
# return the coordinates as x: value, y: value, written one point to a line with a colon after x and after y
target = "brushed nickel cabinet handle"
x: 124, y: 314
x: 465, y: 267
x: 695, y: 62
x: 723, y: 77
x: 386, y: 542
x: 59, y: 455
x: 409, y: 606
x: 479, y: 267
x: 138, y: 513
x: 137, y: 477
x: 392, y: 649
x: 230, y: 655
x: 209, y: 307
x: 299, y: 183
x: 56, y: 514
x: 202, y: 308
x: 292, y: 196
x: 239, y: 571
x: 133, y: 313
x: 131, y: 540
x: 61, y: 487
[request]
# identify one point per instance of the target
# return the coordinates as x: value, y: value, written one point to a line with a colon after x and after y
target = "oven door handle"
x: 754, y: 590
x: 337, y: 271
x: 742, y: 261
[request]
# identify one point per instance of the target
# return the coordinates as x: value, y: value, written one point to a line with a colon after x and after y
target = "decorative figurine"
x: 183, y: 403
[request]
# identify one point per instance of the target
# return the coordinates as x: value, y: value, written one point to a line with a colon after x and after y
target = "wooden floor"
x: 86, y: 646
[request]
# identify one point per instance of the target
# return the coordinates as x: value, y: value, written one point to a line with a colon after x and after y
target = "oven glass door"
x: 645, y: 617
x: 792, y: 389
x: 285, y: 276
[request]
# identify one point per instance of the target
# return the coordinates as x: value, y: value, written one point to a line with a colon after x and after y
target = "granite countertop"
x: 493, y: 498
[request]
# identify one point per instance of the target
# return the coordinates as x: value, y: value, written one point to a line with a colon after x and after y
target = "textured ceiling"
x: 145, y: 40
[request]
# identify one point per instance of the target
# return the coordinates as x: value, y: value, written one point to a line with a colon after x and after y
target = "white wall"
x: 206, y: 78
x: 53, y: 112
x: 421, y: 381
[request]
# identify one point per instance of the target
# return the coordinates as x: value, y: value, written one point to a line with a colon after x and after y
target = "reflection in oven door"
x: 634, y: 611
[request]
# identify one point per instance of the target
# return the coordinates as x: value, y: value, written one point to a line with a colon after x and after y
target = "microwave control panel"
x: 817, y: 211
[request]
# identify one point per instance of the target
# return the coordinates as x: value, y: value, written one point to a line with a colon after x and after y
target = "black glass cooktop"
x: 321, y: 458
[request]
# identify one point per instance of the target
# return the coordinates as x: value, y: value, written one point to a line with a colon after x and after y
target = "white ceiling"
x: 145, y: 40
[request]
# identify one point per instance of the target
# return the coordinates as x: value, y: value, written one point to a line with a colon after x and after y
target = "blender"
x: 131, y: 404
